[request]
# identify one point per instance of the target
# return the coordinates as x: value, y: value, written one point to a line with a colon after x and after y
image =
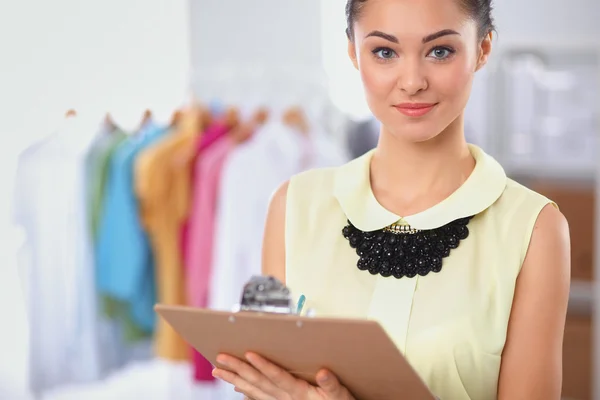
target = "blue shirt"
x: 217, y: 107
x: 125, y: 267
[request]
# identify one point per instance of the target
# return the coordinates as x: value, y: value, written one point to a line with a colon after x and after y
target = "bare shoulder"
x: 548, y: 258
x: 532, y: 357
x: 273, y: 250
x: 304, y: 193
x: 551, y: 227
x: 279, y: 197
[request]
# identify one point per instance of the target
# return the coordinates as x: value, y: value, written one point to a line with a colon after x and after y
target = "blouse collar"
x: 352, y: 189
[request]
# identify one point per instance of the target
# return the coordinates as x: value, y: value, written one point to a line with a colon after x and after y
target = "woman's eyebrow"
x: 428, y: 38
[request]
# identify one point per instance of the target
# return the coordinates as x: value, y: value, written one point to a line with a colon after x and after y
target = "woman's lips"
x: 415, y: 109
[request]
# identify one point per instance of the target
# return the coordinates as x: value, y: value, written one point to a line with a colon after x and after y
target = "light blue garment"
x: 116, y: 350
x: 217, y: 107
x: 124, y: 262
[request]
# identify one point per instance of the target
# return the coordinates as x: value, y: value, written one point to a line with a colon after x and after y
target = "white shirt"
x: 49, y: 205
x: 251, y: 174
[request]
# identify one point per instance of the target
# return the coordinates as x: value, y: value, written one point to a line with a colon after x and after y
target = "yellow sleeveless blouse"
x: 451, y: 325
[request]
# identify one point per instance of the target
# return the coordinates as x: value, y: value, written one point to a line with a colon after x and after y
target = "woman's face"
x: 417, y: 60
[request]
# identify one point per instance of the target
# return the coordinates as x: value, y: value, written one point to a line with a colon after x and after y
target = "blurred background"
x: 106, y: 107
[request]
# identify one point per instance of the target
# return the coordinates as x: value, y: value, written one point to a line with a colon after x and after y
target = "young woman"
x: 467, y: 270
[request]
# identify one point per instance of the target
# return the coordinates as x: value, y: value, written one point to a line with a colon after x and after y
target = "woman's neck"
x: 409, y: 177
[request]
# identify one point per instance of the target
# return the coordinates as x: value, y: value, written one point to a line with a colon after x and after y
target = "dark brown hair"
x: 479, y: 10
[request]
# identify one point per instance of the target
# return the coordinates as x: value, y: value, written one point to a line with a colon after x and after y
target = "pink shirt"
x: 214, y: 132
x: 198, y: 257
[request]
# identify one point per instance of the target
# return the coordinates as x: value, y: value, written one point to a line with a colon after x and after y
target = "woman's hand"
x: 260, y: 379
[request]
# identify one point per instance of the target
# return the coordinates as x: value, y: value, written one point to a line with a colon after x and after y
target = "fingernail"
x: 215, y: 373
x: 325, y: 378
x: 222, y: 360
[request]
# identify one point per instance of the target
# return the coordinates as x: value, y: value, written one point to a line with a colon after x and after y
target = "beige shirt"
x: 450, y: 325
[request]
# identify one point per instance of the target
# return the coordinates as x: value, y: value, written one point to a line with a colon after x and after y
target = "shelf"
x: 581, y: 298
x: 551, y: 170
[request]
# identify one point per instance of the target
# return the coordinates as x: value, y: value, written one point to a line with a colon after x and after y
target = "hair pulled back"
x: 479, y: 10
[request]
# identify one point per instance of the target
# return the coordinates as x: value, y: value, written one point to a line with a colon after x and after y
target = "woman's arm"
x: 532, y: 358
x: 256, y: 377
x: 273, y: 246
x: 273, y: 251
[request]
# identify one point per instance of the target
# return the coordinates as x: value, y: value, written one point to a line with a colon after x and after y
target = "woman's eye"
x: 441, y: 53
x: 384, y: 53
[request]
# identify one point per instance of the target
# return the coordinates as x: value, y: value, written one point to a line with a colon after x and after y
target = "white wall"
x: 263, y: 31
x: 236, y: 43
x: 113, y: 55
x: 547, y: 19
x: 110, y: 55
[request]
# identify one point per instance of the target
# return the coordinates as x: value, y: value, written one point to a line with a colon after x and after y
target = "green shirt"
x: 98, y: 168
x: 98, y: 162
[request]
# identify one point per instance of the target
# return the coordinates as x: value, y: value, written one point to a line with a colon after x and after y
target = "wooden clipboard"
x: 359, y: 352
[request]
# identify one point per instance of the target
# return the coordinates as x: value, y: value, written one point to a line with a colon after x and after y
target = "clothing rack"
x: 125, y: 185
x: 254, y: 84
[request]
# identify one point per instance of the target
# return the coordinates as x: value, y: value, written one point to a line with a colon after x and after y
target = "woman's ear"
x: 352, y: 53
x: 485, y: 49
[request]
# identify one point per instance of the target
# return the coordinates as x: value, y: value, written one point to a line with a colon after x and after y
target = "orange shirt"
x: 162, y: 180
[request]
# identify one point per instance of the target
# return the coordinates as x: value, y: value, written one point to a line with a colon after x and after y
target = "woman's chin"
x: 418, y: 135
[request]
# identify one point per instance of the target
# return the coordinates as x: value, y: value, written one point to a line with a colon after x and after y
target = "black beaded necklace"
x: 399, y: 250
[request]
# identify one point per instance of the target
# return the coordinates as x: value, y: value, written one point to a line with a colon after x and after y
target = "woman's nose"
x: 411, y: 79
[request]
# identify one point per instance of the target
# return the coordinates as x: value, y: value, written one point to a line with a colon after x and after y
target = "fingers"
x: 246, y: 375
x: 241, y: 385
x: 281, y: 378
x: 331, y: 386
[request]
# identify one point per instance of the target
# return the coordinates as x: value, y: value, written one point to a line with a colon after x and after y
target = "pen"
x: 301, y: 301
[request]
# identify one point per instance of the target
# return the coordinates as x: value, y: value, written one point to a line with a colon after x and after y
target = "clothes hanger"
x: 190, y: 120
x: 146, y: 119
x: 294, y: 117
x: 240, y: 130
x: 109, y: 123
x: 245, y: 129
x: 206, y: 118
x: 194, y: 119
x: 175, y: 118
x: 237, y: 129
x: 200, y: 113
x: 232, y: 117
x: 261, y: 115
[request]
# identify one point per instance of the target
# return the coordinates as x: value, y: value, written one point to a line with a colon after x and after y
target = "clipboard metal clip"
x: 268, y: 295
